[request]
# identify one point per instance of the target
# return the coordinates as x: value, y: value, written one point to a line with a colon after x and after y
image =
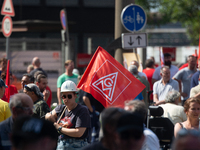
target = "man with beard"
x: 167, y: 62
x: 184, y: 78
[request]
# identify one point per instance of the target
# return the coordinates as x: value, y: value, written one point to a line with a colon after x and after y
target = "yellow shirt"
x: 4, y: 110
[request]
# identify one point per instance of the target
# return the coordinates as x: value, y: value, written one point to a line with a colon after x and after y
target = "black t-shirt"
x: 78, y: 117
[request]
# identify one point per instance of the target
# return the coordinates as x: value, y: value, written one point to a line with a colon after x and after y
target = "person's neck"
x: 69, y: 73
x: 36, y: 67
x: 72, y: 106
x: 168, y: 66
x: 191, y: 68
x: 193, y: 123
x: 148, y: 68
x: 34, y: 98
x: 164, y: 82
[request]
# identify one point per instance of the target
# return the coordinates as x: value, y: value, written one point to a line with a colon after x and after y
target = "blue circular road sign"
x: 133, y: 18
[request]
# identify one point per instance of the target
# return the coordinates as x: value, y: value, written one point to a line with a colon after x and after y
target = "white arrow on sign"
x: 133, y: 40
x: 7, y: 8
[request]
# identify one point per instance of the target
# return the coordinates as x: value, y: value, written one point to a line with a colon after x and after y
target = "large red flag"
x: 7, y: 91
x: 108, y: 81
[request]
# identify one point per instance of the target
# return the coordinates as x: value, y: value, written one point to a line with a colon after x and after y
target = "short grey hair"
x: 161, y: 70
x: 138, y: 107
x: 133, y: 69
x: 15, y: 101
x: 172, y: 96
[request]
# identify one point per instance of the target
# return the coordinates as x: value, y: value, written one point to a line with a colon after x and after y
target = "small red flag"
x: 161, y: 57
x: 199, y: 48
x: 108, y: 81
x: 7, y: 90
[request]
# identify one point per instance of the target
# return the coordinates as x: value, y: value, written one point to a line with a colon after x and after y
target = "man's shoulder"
x: 148, y: 132
x: 2, y: 102
x: 172, y: 81
x: 40, y: 102
x: 5, y: 122
x: 75, y: 75
x: 158, y: 68
x: 174, y: 67
x: 82, y: 108
x: 196, y: 88
x: 62, y: 75
x: 66, y: 76
x: 196, y: 74
x: 158, y: 82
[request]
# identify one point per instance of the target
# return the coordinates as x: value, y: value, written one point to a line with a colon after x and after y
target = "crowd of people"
x: 79, y: 121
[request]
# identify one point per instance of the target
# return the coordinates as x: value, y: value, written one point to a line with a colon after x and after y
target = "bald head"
x: 134, y: 62
x: 21, y: 104
x: 36, y: 62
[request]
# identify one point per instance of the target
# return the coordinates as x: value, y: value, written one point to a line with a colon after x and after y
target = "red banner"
x: 108, y: 81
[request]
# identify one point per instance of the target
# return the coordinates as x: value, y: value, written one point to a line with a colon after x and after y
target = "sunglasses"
x: 69, y: 96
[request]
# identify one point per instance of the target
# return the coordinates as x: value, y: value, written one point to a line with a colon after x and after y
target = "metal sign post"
x: 65, y: 38
x: 134, y: 19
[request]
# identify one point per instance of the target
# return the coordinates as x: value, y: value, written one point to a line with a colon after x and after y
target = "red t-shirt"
x: 13, y: 90
x: 149, y: 73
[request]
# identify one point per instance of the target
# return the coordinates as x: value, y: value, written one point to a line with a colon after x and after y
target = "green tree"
x: 187, y: 12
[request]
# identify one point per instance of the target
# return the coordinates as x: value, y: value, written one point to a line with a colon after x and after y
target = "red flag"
x: 7, y: 90
x: 108, y: 81
x: 161, y: 57
x: 199, y: 48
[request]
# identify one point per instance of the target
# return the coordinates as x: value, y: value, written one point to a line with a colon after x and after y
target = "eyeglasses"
x: 130, y: 134
x: 69, y: 96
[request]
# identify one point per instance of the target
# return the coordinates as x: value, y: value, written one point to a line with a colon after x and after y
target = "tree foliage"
x: 187, y: 12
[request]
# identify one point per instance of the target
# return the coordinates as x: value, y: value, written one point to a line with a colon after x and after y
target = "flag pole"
x: 8, y: 80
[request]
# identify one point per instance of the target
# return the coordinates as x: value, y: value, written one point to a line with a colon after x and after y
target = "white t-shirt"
x: 151, y: 141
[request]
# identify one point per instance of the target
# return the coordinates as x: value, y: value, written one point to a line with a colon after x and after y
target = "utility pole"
x: 119, y: 29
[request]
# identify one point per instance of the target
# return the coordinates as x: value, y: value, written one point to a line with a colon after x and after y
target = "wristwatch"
x: 59, y: 130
